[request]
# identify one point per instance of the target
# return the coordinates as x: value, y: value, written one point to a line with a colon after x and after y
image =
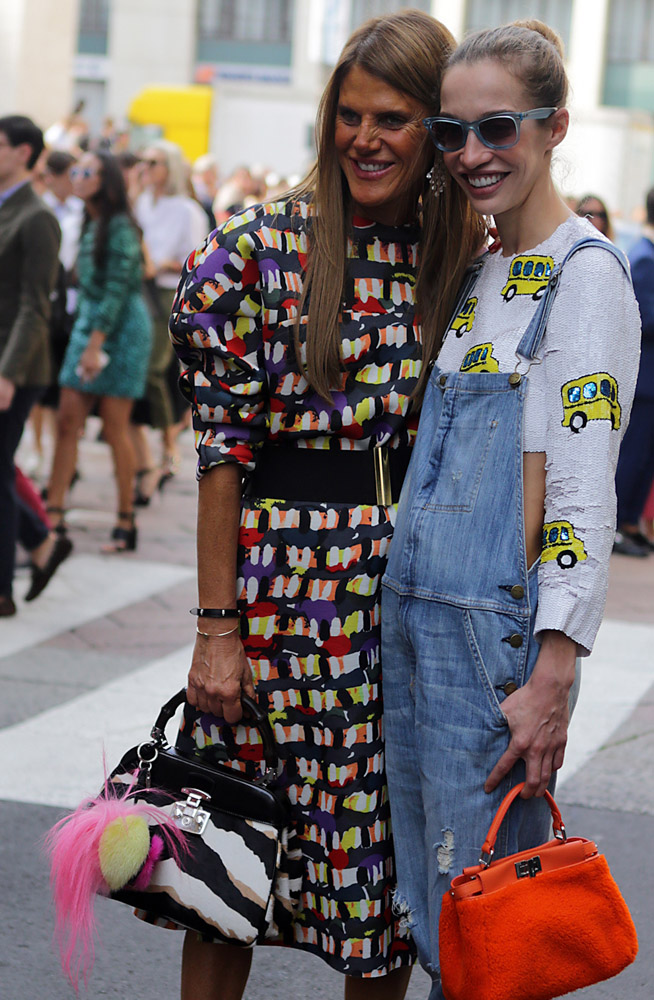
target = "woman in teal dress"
x: 107, y: 356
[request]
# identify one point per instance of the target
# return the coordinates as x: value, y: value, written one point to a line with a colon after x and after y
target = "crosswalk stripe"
x: 118, y: 715
x: 85, y: 587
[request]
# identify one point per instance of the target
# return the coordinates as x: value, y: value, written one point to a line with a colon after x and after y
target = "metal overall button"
x: 514, y: 640
x: 515, y: 378
x: 517, y: 592
x: 509, y: 688
x: 442, y: 380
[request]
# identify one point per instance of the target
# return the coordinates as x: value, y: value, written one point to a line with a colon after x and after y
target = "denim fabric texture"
x: 459, y: 608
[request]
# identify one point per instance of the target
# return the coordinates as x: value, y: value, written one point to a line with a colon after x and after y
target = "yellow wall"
x: 184, y: 114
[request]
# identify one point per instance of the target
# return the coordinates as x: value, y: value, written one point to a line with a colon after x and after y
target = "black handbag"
x: 189, y: 842
x: 238, y: 879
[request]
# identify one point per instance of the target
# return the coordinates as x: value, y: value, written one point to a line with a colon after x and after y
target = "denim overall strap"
x: 470, y: 278
x: 533, y: 335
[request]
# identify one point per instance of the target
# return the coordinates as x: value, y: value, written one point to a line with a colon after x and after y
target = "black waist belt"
x: 317, y: 475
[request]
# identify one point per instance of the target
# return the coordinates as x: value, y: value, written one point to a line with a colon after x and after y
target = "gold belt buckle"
x: 382, y: 465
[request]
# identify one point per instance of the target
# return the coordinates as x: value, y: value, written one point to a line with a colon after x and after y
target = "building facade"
x: 266, y: 62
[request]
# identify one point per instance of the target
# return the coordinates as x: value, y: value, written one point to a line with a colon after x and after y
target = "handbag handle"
x: 489, y: 844
x: 253, y: 709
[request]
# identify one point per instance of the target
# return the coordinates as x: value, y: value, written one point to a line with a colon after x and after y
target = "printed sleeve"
x: 216, y: 330
x: 123, y: 258
x: 589, y: 371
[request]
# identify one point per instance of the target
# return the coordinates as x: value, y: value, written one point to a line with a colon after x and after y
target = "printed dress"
x: 310, y: 573
x: 110, y: 300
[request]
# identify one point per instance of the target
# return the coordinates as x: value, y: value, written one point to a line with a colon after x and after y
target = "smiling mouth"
x: 483, y: 180
x: 371, y: 168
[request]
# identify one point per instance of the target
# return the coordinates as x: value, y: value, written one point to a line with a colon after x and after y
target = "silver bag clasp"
x: 188, y: 815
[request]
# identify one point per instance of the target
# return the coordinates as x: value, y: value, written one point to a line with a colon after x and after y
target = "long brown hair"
x: 408, y: 51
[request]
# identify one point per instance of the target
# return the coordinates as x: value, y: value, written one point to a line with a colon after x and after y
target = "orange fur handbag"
x: 536, y: 925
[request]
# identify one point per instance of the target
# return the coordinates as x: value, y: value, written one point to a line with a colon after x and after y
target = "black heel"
x: 60, y: 529
x: 141, y: 498
x: 122, y: 539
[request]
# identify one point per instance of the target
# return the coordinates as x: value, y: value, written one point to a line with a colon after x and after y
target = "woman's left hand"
x: 538, y: 716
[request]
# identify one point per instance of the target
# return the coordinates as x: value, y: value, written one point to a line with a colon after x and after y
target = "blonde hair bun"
x: 533, y: 24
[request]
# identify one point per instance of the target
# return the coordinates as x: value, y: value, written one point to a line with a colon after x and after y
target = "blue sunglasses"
x: 499, y: 131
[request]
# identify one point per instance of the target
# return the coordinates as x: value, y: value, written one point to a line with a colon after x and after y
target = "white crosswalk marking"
x: 84, y: 588
x: 119, y: 715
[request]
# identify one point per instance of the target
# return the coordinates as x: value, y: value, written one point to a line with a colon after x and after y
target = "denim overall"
x: 458, y: 612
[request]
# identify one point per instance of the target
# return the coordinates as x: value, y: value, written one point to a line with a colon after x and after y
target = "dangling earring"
x: 436, y: 178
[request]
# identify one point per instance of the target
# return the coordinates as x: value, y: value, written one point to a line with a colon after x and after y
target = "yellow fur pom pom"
x: 123, y: 848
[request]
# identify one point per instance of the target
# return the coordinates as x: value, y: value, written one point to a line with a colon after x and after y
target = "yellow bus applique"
x: 529, y: 275
x: 462, y: 322
x: 560, y: 543
x: 480, y: 359
x: 591, y: 397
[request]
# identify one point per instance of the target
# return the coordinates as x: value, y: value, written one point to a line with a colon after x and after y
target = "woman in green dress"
x: 107, y: 356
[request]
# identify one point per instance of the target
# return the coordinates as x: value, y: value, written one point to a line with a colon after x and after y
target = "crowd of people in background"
x: 172, y: 205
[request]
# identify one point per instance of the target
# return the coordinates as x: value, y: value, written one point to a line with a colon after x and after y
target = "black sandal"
x: 61, y: 528
x: 141, y: 498
x: 122, y: 539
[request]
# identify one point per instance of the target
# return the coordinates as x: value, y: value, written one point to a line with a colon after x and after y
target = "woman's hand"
x: 219, y: 674
x: 538, y: 716
x: 93, y: 358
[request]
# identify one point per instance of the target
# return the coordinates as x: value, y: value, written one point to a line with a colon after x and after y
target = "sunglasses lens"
x: 498, y: 131
x: 448, y: 135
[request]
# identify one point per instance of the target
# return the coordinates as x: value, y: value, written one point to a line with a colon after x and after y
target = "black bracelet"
x: 216, y: 612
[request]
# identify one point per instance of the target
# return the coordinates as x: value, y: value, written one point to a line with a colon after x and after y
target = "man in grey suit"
x: 29, y: 246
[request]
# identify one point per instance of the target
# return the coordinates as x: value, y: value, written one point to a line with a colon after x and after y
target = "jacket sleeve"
x: 590, y: 365
x: 642, y: 273
x: 30, y: 332
x: 216, y: 330
x: 122, y: 260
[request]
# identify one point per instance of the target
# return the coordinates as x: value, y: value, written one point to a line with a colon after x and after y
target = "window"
x: 574, y: 394
x: 93, y: 26
x: 629, y: 79
x: 245, y: 33
x: 590, y: 390
x: 245, y: 20
x: 491, y: 13
x: 363, y: 10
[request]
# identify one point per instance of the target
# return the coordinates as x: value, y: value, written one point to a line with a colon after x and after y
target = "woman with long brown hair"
x: 297, y: 324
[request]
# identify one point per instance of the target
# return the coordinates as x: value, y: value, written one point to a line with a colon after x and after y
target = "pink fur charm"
x: 101, y: 847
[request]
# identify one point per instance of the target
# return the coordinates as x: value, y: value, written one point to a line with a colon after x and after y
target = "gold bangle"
x: 216, y: 635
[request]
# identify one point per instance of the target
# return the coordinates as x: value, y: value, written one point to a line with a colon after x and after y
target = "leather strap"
x: 491, y: 836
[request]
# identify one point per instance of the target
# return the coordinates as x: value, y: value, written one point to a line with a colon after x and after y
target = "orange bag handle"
x: 489, y: 844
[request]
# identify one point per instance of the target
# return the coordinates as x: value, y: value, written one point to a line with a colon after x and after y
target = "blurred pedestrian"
x: 69, y: 212
x: 205, y: 184
x: 107, y: 356
x: 29, y: 246
x: 636, y: 464
x: 172, y: 224
x: 594, y: 209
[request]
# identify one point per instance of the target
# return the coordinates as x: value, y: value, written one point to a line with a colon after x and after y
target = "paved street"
x: 85, y: 667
